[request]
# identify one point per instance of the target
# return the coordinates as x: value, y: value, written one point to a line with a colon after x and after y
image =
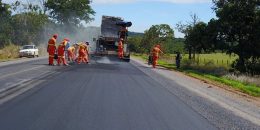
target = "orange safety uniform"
x: 51, y: 50
x: 71, y: 53
x: 120, y: 49
x: 61, y: 52
x: 83, y: 53
x: 155, y: 52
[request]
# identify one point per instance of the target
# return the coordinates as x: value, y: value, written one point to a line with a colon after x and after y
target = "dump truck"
x: 112, y: 29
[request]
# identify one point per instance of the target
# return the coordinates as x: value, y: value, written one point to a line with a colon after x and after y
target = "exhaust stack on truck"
x: 112, y: 29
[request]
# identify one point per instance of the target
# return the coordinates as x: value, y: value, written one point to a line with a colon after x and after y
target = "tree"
x: 28, y: 27
x: 213, y: 37
x: 5, y: 28
x: 70, y: 12
x: 135, y: 44
x: 186, y: 29
x: 157, y: 34
x: 28, y: 22
x: 196, y: 38
x: 239, y: 22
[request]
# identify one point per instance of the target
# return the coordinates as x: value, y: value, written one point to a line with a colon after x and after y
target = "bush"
x: 250, y: 66
x: 9, y: 51
x: 207, y: 67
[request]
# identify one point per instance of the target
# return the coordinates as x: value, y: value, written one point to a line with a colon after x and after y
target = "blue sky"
x: 145, y: 13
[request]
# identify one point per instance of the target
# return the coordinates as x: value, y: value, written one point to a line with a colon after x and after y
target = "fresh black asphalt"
x: 107, y: 94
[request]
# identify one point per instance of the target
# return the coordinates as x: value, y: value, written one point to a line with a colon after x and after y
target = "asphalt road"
x: 24, y: 70
x: 107, y: 94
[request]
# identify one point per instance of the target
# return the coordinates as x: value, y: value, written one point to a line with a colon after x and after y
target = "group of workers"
x: 78, y: 52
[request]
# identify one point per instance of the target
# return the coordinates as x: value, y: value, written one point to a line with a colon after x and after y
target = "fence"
x: 200, y: 61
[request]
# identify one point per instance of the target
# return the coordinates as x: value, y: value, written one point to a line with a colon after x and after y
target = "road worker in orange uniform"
x: 82, y: 53
x: 156, y: 50
x: 61, y: 52
x: 71, y: 53
x: 52, y: 48
x: 120, y: 48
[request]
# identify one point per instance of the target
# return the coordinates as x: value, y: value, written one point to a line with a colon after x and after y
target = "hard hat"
x: 55, y: 35
x: 121, y: 39
x: 67, y: 39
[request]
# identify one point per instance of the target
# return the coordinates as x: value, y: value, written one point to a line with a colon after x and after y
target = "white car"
x: 29, y: 51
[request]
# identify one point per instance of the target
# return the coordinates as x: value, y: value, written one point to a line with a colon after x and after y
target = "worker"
x: 87, y: 49
x: 71, y: 53
x: 61, y: 52
x: 52, y: 48
x: 156, y: 50
x: 178, y: 60
x: 82, y: 56
x: 120, y: 48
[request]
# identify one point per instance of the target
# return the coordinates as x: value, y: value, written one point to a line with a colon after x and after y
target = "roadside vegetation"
x: 34, y: 22
x: 212, y: 74
x: 9, y: 52
x: 224, y: 50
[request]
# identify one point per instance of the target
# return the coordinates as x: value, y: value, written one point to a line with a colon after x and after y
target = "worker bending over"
x: 52, y: 48
x: 61, y: 52
x: 83, y: 53
x: 156, y: 50
x: 120, y: 48
x: 71, y: 53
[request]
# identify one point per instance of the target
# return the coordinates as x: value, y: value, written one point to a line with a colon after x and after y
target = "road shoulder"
x: 235, y: 104
x: 21, y: 60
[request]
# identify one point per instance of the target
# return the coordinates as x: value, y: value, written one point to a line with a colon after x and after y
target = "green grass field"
x: 217, y: 59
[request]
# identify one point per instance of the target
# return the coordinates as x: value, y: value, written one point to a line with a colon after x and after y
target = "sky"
x: 145, y: 13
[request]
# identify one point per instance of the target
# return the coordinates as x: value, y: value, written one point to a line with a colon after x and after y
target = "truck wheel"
x: 127, y: 60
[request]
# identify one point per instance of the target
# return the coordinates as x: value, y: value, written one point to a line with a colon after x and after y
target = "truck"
x: 112, y: 29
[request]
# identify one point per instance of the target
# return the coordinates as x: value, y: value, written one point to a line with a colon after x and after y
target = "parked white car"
x: 29, y: 51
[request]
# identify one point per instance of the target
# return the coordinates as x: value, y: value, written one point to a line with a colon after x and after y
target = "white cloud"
x: 133, y: 1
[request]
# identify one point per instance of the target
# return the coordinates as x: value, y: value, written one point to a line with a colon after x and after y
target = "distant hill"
x: 132, y: 34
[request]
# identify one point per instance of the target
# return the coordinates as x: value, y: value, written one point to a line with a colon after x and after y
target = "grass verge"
x: 249, y: 89
x: 9, y: 52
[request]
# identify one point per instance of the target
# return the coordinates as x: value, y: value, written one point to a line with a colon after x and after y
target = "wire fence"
x: 201, y: 61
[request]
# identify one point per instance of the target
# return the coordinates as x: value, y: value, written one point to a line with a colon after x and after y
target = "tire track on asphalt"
x: 15, y: 73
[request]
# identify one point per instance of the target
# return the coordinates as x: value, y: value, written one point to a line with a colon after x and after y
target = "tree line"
x: 236, y: 30
x: 161, y: 34
x: 26, y: 23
